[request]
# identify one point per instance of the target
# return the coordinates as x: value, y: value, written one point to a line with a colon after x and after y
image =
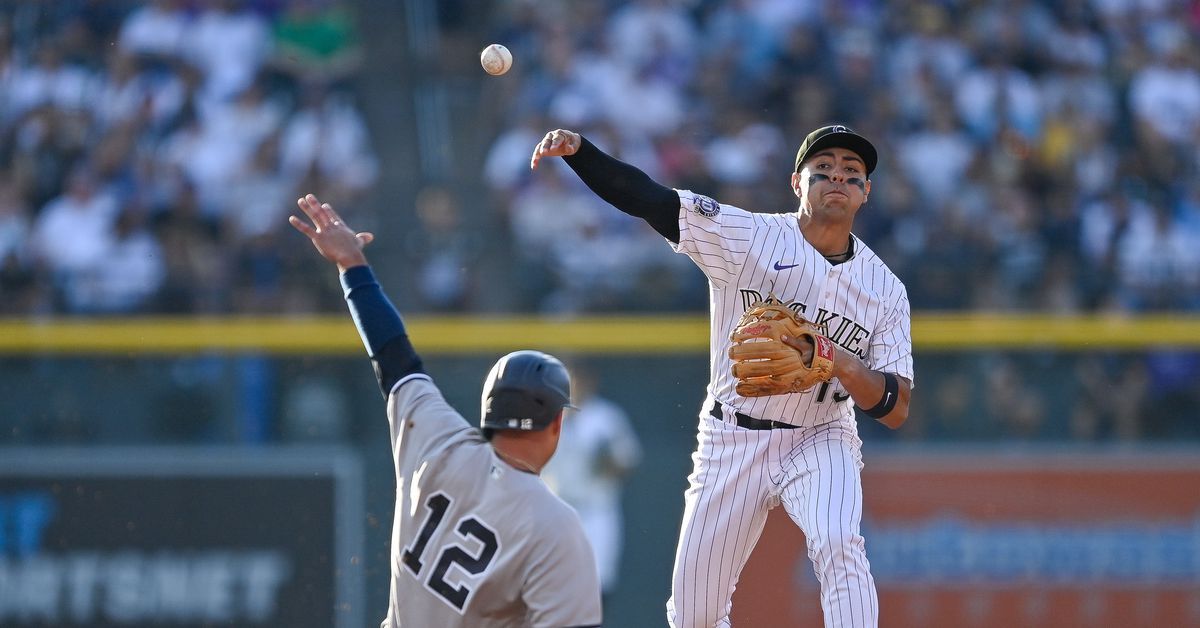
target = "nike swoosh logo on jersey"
x: 779, y: 266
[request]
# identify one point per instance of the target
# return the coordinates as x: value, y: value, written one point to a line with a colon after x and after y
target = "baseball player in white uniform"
x: 597, y: 451
x: 800, y: 450
x: 478, y: 540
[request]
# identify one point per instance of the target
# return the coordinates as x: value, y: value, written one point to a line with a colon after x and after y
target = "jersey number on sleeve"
x: 452, y: 553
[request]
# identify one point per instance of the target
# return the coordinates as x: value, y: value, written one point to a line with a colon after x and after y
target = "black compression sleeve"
x: 380, y: 327
x: 395, y: 361
x: 627, y: 188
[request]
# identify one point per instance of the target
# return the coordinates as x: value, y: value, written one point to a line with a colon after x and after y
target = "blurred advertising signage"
x: 179, y: 537
x: 1044, y: 537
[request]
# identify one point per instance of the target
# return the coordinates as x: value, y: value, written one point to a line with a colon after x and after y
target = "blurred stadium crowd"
x: 149, y: 151
x: 1036, y: 155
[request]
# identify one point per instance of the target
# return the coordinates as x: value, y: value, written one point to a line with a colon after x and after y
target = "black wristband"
x: 891, y: 392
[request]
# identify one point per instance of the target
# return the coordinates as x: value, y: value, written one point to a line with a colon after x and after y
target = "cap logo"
x: 840, y: 129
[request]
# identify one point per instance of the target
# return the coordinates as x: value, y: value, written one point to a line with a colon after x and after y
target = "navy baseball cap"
x: 837, y: 136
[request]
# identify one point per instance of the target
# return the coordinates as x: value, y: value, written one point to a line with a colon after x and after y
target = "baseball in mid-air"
x: 495, y: 59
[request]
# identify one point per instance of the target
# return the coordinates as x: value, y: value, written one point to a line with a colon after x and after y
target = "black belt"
x: 751, y: 423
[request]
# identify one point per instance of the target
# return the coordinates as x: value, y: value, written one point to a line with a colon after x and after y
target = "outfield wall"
x: 265, y: 382
x: 989, y: 537
x: 144, y: 537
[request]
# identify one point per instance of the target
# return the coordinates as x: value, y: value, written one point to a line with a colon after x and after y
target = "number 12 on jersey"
x: 451, y: 553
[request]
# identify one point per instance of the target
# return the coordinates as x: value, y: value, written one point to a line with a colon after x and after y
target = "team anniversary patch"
x: 705, y: 206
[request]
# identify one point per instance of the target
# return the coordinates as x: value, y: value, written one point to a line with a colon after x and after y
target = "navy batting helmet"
x: 525, y: 390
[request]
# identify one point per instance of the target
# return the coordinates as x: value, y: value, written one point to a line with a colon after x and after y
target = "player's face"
x: 833, y: 180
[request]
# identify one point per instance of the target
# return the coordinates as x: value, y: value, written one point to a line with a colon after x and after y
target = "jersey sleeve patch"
x: 700, y: 204
x: 714, y: 236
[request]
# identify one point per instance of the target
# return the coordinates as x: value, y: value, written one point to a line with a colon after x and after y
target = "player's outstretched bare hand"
x: 557, y: 143
x: 334, y: 240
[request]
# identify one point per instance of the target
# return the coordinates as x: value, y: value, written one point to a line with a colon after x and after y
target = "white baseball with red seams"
x: 495, y: 59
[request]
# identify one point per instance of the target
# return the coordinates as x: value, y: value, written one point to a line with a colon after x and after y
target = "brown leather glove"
x: 765, y: 365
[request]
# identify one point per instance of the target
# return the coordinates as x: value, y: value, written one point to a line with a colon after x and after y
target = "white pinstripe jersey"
x: 749, y: 257
x: 476, y: 543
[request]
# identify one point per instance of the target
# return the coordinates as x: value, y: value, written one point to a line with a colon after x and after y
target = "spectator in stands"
x: 17, y: 280
x: 940, y: 140
x: 74, y: 232
x: 316, y: 41
x: 258, y: 195
x: 1158, y: 263
x: 129, y: 93
x: 128, y: 274
x: 228, y: 43
x: 14, y: 223
x: 49, y: 82
x: 995, y: 95
x: 326, y: 141
x: 157, y: 30
x: 198, y: 266
x: 444, y: 250
x: 1165, y: 94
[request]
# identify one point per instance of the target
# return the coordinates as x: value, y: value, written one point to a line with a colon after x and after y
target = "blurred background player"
x: 597, y: 451
x: 477, y: 539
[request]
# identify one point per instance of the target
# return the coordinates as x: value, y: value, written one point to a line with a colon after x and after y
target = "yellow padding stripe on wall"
x: 1038, y: 331
x: 335, y: 335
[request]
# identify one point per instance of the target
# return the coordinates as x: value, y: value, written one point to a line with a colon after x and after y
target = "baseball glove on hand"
x: 765, y: 365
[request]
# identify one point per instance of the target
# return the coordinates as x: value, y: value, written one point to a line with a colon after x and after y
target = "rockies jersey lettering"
x: 750, y: 257
x: 836, y: 332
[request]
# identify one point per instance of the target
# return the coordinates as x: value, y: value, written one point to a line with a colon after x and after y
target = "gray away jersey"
x: 476, y: 543
x: 748, y: 257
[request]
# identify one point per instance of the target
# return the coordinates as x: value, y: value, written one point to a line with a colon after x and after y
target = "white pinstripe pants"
x: 740, y: 474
